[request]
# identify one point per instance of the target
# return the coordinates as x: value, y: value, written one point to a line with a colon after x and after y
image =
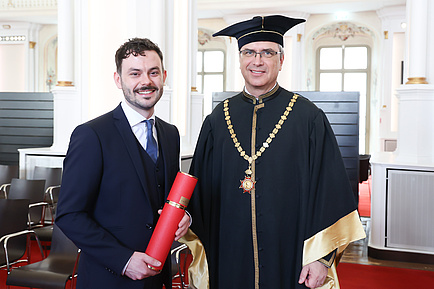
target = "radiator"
x: 410, y: 210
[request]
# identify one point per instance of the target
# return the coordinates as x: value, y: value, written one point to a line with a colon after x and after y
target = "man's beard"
x: 130, y: 96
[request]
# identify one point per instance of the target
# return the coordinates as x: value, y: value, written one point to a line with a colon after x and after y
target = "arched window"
x: 211, y: 67
x: 346, y: 68
x: 343, y: 63
x: 210, y: 71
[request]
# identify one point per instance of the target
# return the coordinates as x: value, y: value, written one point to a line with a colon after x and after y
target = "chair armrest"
x: 49, y: 192
x: 4, y: 188
x: 6, y: 238
x: 33, y: 205
x: 38, y: 204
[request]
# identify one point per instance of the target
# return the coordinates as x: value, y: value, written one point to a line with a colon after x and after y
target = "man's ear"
x: 117, y: 79
x: 164, y: 77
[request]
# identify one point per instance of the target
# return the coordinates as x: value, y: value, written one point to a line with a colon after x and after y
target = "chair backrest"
x: 7, y: 173
x: 32, y: 190
x: 13, y: 218
x: 52, y: 176
x: 62, y: 245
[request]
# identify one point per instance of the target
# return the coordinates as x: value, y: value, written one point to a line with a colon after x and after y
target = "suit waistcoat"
x: 154, y: 176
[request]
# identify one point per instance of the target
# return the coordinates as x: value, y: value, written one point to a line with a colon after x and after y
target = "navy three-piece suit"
x: 111, y: 191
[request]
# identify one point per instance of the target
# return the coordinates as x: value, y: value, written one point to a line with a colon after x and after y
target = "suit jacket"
x: 104, y: 205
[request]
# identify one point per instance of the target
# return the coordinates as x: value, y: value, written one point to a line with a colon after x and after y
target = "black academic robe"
x: 301, y: 204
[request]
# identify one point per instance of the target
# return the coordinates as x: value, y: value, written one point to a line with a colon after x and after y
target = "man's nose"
x: 258, y: 58
x: 145, y: 80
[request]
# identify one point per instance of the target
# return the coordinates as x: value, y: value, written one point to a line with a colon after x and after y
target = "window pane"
x: 331, y: 58
x: 330, y: 82
x: 355, y: 82
x: 356, y: 58
x: 213, y: 83
x: 199, y: 61
x: 213, y: 61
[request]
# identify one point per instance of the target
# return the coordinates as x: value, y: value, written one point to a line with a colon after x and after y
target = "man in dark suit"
x: 117, y: 177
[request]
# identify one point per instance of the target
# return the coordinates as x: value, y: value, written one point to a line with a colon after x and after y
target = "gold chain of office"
x: 248, y: 184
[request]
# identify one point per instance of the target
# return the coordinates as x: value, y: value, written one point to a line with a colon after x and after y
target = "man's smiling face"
x: 141, y: 80
x: 260, y: 73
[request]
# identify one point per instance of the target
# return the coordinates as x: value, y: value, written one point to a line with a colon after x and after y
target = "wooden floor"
x: 357, y: 252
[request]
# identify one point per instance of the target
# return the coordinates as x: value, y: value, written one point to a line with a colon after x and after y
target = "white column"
x: 65, y: 28
x: 415, y: 137
x: 193, y: 43
x: 153, y: 26
x: 181, y: 59
x: 415, y: 143
x: 67, y: 110
x: 384, y: 112
x: 195, y: 101
x: 31, y: 67
x: 298, y: 48
x: 32, y: 59
x: 417, y: 15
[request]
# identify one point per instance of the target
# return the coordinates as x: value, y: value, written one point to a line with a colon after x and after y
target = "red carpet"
x: 351, y: 276
x: 355, y: 276
x: 365, y: 198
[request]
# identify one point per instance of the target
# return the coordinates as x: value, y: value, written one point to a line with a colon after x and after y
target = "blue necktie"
x: 151, y: 144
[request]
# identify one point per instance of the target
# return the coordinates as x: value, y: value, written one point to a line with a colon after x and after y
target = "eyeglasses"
x: 264, y: 53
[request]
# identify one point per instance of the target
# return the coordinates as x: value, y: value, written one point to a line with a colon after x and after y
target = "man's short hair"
x: 135, y: 46
x: 282, y: 51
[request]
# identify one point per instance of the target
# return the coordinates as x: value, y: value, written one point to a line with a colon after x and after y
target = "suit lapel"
x: 130, y: 141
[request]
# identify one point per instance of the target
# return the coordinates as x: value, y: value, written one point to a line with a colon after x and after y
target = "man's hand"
x: 313, y: 275
x: 138, y: 269
x: 183, y: 226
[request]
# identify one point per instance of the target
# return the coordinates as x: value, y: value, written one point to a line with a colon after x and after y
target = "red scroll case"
x: 173, y: 211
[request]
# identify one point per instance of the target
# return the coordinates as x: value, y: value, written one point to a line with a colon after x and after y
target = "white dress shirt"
x: 138, y: 127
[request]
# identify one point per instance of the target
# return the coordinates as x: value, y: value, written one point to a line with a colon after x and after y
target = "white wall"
x: 46, y: 34
x: 106, y: 32
x: 13, y: 66
x: 285, y: 76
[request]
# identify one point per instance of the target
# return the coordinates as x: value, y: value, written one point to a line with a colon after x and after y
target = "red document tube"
x: 173, y: 211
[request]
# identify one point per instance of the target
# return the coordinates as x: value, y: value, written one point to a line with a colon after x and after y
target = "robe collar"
x: 263, y: 97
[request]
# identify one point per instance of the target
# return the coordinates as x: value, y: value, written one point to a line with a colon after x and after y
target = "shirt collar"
x: 133, y: 116
x: 262, y: 96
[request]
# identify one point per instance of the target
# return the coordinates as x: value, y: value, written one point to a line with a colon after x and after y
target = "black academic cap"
x: 260, y: 28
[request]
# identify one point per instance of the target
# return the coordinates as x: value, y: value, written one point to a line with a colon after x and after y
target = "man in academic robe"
x: 117, y: 174
x: 273, y: 205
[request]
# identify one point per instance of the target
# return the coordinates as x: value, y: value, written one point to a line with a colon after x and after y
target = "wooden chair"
x: 7, y: 173
x: 54, y: 271
x: 53, y: 179
x: 32, y: 190
x: 13, y: 232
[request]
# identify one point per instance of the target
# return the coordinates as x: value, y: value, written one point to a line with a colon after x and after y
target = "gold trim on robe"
x: 346, y: 230
x: 198, y: 270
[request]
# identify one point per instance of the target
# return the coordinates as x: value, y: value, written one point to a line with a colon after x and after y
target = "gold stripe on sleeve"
x: 346, y: 230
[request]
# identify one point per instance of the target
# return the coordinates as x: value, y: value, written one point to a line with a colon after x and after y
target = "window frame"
x: 343, y: 71
x: 202, y: 73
